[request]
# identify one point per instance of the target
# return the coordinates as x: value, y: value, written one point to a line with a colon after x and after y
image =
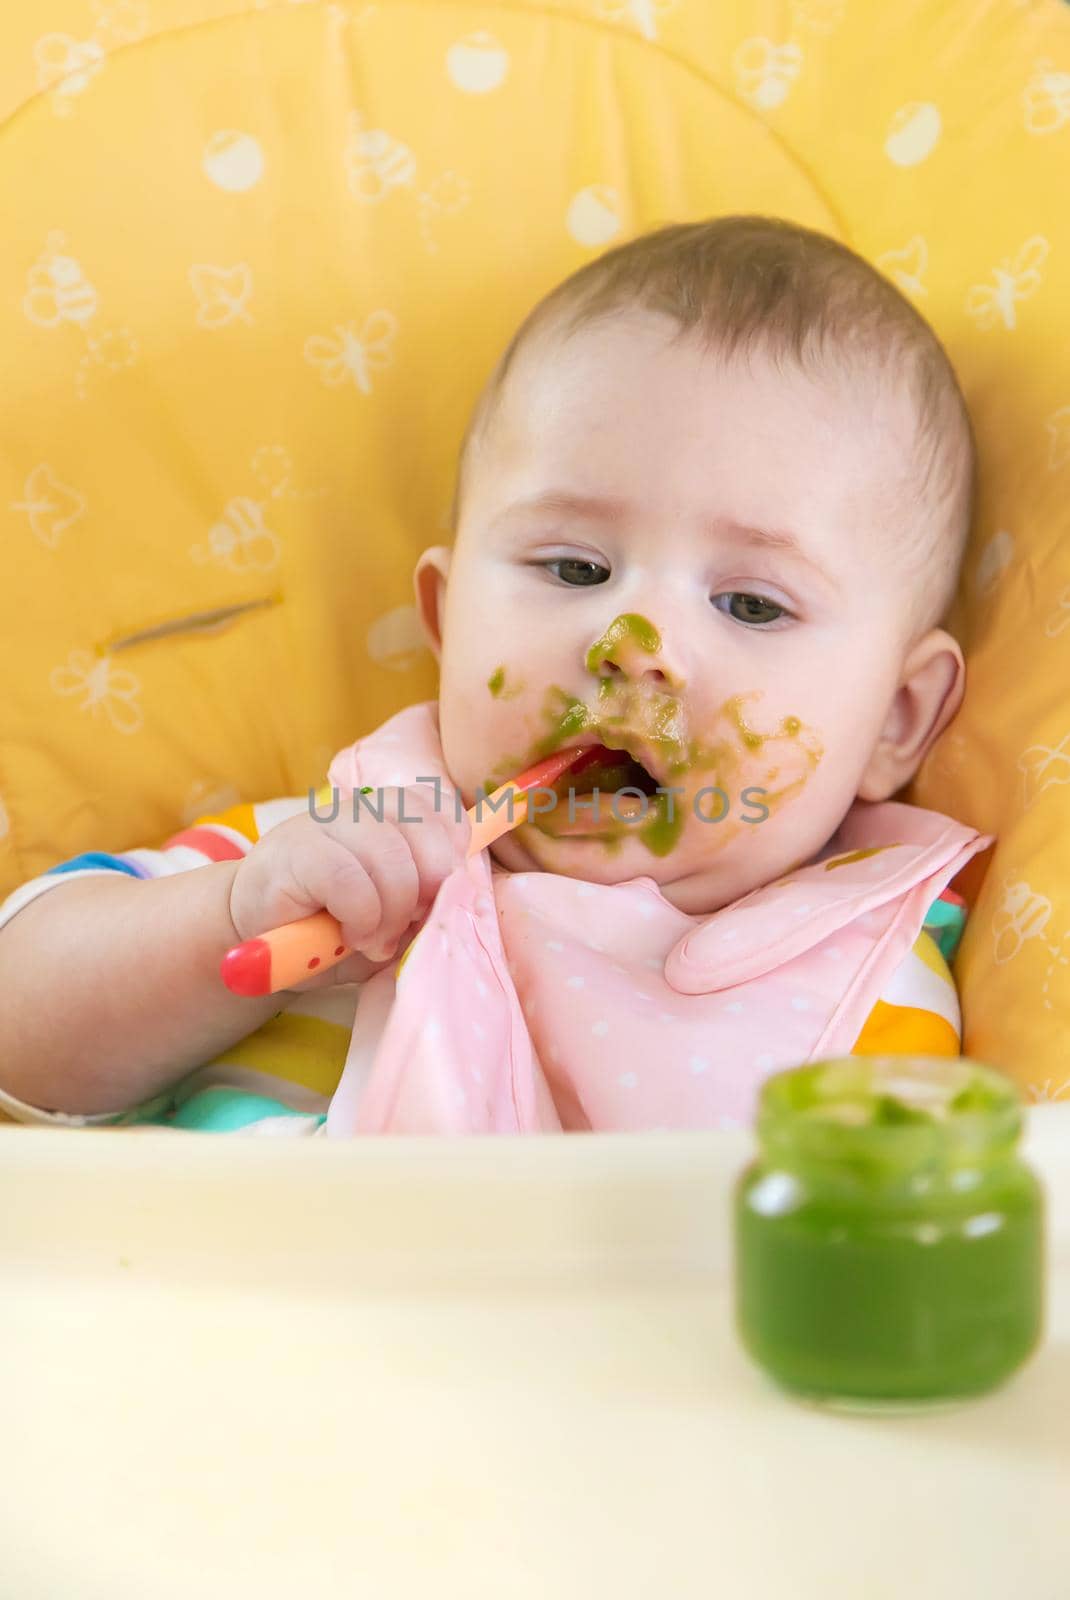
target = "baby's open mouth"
x: 608, y: 769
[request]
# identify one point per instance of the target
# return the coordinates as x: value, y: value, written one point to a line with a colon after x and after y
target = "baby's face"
x: 609, y: 585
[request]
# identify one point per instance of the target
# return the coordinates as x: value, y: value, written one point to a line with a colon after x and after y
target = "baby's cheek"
x: 744, y: 749
x: 782, y: 769
x: 505, y: 682
x: 485, y: 734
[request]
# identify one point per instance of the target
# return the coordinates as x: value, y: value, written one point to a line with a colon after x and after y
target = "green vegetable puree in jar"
x: 889, y: 1247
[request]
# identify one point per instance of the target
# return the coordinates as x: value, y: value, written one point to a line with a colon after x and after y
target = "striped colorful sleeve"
x: 224, y: 836
x: 918, y: 1011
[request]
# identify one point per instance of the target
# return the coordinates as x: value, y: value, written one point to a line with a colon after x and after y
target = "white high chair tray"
x: 496, y: 1370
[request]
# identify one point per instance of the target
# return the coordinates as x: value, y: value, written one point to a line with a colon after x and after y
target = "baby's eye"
x: 751, y: 608
x: 577, y: 573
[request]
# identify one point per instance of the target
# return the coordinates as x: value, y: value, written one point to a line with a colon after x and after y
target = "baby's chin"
x: 690, y: 886
x: 530, y: 850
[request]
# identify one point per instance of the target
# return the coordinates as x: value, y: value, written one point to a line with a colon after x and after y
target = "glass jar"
x: 889, y: 1237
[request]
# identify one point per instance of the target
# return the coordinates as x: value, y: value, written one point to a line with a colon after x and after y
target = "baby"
x: 710, y: 512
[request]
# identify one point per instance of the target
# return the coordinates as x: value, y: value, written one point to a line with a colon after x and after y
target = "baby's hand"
x: 378, y: 878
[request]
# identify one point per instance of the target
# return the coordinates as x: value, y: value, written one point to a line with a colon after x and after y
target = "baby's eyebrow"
x: 775, y: 539
x: 582, y: 505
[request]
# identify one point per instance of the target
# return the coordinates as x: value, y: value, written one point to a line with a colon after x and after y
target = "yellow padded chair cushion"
x: 259, y: 257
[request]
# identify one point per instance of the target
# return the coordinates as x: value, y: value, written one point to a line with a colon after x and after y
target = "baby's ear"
x: 930, y: 692
x: 429, y: 587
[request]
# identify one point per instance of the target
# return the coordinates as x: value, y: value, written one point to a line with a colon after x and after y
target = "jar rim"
x: 890, y: 1114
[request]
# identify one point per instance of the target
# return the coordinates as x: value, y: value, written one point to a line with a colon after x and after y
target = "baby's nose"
x: 633, y: 651
x: 644, y: 671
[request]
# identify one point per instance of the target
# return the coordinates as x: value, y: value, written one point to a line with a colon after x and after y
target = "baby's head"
x: 711, y: 509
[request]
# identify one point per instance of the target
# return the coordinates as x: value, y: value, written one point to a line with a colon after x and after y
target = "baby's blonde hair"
x: 754, y: 283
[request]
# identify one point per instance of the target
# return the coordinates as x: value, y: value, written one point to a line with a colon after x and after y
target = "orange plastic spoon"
x: 283, y: 956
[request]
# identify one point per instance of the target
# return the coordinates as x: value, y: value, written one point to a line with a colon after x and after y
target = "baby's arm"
x: 110, y: 988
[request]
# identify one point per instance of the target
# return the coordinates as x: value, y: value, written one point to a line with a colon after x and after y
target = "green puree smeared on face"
x: 498, y: 687
x: 567, y: 717
x: 889, y: 1237
x: 662, y: 721
x: 623, y: 631
x: 636, y: 713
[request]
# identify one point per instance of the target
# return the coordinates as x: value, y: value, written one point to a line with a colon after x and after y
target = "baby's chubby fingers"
x: 408, y: 841
x: 297, y: 869
x: 375, y: 870
x: 437, y: 830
